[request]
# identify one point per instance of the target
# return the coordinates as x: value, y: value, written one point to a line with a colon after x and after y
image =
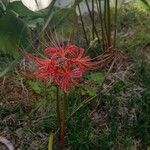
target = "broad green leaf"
x: 49, y: 15
x: 32, y: 19
x: 13, y: 34
x: 88, y: 90
x: 22, y: 10
x: 63, y: 19
x: 97, y: 77
x: 36, y: 86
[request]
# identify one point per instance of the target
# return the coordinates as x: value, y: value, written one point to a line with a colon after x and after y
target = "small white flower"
x: 36, y: 5
x: 13, y: 1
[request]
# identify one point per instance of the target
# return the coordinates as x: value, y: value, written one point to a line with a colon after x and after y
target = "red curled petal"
x: 50, y: 51
x: 77, y: 73
x: 71, y: 50
x: 81, y: 53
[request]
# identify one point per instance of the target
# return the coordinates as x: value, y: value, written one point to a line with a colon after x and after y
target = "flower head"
x: 65, y: 65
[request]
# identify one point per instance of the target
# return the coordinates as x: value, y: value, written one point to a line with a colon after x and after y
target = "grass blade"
x: 50, y: 142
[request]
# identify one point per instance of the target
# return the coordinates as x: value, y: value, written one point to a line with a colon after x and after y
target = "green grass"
x: 133, y: 22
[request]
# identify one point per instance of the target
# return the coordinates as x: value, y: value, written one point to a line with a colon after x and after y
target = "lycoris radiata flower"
x: 65, y: 65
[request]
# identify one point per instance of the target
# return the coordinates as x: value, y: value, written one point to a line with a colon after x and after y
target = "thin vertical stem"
x: 58, y: 105
x: 109, y: 24
x: 93, y: 22
x: 116, y: 14
x: 63, y: 122
x: 104, y: 39
x: 84, y: 31
x: 74, y: 24
x: 90, y: 14
x: 105, y: 22
x: 65, y: 104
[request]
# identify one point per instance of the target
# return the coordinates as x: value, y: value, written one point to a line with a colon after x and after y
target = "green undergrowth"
x: 116, y: 120
x: 133, y: 27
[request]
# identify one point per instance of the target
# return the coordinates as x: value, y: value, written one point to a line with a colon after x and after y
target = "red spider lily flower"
x: 73, y: 54
x: 65, y: 66
x: 68, y: 76
x: 45, y: 70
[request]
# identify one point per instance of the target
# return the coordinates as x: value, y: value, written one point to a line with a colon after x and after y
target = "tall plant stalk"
x: 58, y: 105
x: 83, y: 27
x: 116, y: 14
x: 91, y: 17
x: 63, y: 122
x: 74, y: 24
x: 109, y: 23
x: 93, y: 22
x: 105, y: 22
x: 104, y: 36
